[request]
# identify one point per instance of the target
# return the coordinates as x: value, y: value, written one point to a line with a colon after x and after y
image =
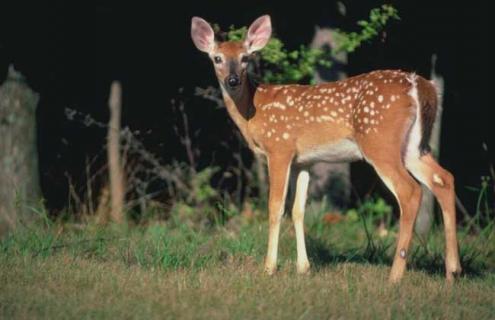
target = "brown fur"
x: 370, y: 114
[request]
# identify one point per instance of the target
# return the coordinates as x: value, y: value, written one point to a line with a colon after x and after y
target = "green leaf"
x: 280, y: 65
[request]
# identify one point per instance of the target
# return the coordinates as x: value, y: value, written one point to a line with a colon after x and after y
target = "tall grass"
x: 158, y: 269
x: 174, y: 245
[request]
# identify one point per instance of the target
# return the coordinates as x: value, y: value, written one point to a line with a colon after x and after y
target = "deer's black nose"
x: 233, y: 81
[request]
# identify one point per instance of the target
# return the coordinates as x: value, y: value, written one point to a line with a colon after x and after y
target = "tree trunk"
x: 330, y: 181
x: 117, y: 188
x: 425, y: 215
x: 20, y: 191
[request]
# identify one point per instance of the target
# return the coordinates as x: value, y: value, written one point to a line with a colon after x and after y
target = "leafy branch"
x: 280, y: 65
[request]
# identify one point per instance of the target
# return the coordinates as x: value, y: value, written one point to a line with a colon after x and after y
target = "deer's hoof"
x: 303, y: 268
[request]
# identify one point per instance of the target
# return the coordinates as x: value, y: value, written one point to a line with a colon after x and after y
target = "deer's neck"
x: 240, y: 106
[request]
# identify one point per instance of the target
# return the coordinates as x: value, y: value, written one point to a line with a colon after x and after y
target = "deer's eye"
x: 245, y: 59
x: 217, y: 59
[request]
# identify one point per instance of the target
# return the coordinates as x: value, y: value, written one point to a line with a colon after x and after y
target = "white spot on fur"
x: 290, y: 101
x: 438, y: 180
x: 274, y: 105
x: 326, y: 118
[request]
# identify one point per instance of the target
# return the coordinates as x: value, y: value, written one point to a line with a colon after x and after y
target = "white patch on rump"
x: 412, y: 150
x: 412, y: 154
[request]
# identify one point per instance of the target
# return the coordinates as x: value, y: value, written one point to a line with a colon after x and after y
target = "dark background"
x: 70, y: 54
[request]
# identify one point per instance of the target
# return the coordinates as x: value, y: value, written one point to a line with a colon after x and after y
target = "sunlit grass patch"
x: 160, y: 270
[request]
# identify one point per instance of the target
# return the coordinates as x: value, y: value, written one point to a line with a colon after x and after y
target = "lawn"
x: 166, y: 270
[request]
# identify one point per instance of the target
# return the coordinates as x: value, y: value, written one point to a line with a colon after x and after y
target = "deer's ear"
x: 258, y: 34
x: 202, y: 35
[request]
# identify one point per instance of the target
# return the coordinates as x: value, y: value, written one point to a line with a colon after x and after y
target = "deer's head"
x: 230, y: 58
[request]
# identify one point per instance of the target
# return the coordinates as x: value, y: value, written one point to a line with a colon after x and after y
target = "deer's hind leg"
x: 441, y: 183
x: 384, y: 149
x: 408, y: 194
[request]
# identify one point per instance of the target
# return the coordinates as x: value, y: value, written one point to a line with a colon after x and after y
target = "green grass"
x: 158, y: 271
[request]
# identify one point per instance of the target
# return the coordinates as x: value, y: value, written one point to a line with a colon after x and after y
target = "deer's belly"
x: 344, y: 150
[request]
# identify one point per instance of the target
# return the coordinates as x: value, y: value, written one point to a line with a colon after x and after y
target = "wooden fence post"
x: 117, y: 188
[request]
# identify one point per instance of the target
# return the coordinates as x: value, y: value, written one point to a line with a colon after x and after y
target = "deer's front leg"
x: 278, y: 170
x: 298, y: 218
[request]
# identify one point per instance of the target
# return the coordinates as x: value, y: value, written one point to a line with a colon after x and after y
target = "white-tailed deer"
x: 384, y: 117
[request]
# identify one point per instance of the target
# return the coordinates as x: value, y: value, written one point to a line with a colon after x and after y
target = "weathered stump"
x: 19, y: 175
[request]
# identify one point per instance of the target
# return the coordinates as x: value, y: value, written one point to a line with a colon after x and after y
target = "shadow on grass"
x: 322, y: 255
